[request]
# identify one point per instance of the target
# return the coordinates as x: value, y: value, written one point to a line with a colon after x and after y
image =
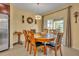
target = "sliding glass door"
x: 4, y: 40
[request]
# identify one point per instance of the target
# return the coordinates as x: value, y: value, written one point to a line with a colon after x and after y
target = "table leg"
x: 19, y: 42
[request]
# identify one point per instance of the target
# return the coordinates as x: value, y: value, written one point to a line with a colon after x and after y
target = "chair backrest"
x: 55, y: 32
x: 31, y: 37
x: 59, y: 37
x: 45, y: 31
x: 25, y: 34
x: 33, y: 30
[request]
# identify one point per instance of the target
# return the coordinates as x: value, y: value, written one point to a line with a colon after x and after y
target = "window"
x: 59, y: 24
x: 54, y: 24
x: 49, y: 24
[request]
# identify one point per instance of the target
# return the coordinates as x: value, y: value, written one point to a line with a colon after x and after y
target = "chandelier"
x: 38, y: 17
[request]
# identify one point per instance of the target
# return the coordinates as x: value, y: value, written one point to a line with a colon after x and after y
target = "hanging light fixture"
x: 38, y: 17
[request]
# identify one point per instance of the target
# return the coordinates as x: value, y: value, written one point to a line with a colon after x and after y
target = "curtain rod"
x: 57, y: 11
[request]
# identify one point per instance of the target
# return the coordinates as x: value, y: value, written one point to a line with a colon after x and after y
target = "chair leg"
x: 55, y: 51
x: 45, y: 50
x: 25, y: 43
x: 30, y: 49
x: 27, y: 46
x: 34, y: 51
x: 60, y: 51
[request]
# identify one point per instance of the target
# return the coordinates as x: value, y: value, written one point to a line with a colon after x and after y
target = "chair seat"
x: 39, y: 44
x: 52, y: 44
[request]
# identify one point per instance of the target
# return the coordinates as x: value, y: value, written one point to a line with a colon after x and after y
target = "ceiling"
x: 39, y: 8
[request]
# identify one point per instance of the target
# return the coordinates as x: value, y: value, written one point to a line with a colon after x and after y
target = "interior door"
x: 4, y: 39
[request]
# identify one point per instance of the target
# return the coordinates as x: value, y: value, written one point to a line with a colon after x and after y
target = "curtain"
x: 68, y: 29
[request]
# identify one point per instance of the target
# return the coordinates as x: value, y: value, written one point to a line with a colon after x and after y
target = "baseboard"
x: 75, y: 48
x: 11, y: 46
x: 17, y: 43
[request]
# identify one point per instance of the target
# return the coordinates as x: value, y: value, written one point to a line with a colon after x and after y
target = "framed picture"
x: 22, y: 18
x: 29, y: 20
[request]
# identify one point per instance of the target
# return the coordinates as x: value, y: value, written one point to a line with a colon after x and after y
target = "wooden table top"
x: 46, y: 38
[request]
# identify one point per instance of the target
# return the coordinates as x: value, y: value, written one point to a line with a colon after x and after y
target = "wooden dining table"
x: 44, y: 39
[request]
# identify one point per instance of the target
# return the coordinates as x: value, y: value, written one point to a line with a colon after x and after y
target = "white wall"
x: 17, y: 25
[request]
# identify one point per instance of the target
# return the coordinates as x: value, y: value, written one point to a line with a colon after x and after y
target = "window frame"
x: 59, y: 20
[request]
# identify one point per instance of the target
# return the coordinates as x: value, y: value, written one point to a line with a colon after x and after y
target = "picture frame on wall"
x: 22, y: 18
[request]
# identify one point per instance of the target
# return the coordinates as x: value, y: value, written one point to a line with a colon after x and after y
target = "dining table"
x: 45, y: 39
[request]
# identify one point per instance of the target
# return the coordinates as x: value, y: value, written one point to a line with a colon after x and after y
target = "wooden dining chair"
x: 27, y: 41
x: 44, y: 32
x: 55, y: 46
x: 34, y: 44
